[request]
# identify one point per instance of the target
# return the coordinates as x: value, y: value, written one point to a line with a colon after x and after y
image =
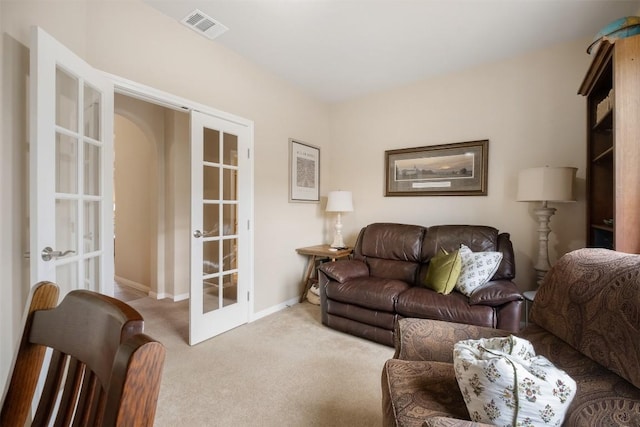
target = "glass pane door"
x: 78, y: 198
x: 220, y: 209
x: 71, y: 144
x: 219, y: 217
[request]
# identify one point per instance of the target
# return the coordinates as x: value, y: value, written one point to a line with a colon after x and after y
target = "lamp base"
x: 338, y: 243
x: 542, y: 265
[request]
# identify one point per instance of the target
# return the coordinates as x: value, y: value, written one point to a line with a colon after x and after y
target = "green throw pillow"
x: 443, y: 272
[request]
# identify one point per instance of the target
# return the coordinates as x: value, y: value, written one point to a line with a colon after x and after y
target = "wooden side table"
x: 316, y: 253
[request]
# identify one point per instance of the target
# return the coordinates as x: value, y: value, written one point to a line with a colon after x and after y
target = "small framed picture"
x: 458, y: 169
x: 304, y: 172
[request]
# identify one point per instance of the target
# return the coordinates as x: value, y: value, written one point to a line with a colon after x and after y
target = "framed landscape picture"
x: 458, y: 169
x: 304, y: 172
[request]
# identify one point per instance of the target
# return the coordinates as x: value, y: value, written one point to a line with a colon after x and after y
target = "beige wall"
x: 528, y: 109
x: 177, y: 211
x: 526, y: 106
x: 135, y: 190
x: 152, y: 186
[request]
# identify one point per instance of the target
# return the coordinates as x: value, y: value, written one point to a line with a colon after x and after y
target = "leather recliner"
x: 366, y: 295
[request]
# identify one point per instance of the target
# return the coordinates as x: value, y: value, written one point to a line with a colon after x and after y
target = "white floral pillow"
x: 477, y: 269
x: 504, y: 383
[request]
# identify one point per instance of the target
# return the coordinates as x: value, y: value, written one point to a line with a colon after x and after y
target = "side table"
x: 529, y: 296
x: 316, y: 253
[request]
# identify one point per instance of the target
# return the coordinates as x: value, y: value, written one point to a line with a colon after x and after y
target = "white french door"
x: 71, y: 169
x: 71, y: 189
x: 220, y: 214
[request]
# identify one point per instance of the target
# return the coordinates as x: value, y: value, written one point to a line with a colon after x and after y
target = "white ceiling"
x: 340, y: 49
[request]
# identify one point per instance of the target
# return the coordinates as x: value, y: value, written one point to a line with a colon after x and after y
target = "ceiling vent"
x: 199, y: 22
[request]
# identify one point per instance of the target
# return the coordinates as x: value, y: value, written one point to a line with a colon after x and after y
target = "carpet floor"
x: 285, y: 369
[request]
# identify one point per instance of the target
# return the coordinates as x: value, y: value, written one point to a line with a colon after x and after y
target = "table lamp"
x: 545, y: 184
x: 339, y: 201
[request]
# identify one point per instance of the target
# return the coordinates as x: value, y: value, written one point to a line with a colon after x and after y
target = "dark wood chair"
x: 103, y: 370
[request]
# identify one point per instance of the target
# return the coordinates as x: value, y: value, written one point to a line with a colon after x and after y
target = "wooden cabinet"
x: 612, y: 88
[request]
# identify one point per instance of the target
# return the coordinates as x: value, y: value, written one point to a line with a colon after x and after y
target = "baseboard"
x: 131, y: 284
x: 149, y: 292
x: 180, y: 297
x: 273, y: 309
x: 174, y: 298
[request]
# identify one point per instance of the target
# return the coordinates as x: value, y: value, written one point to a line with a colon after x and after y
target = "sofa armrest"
x: 496, y: 293
x: 433, y: 340
x: 451, y: 422
x: 341, y: 271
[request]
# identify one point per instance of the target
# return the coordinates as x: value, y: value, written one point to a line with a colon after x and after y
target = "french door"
x: 71, y: 190
x: 71, y: 169
x: 220, y: 209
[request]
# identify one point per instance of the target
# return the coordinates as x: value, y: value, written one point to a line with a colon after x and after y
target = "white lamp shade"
x: 339, y: 201
x: 550, y: 184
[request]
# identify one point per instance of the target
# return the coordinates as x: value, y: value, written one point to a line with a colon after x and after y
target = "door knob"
x: 198, y: 233
x: 48, y: 254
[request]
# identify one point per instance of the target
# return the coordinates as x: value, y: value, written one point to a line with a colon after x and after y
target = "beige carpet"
x: 283, y: 370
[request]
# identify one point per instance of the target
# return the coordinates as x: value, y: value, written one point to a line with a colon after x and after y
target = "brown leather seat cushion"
x: 370, y: 292
x: 427, y: 304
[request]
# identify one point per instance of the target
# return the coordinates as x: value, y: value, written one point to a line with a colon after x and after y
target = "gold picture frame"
x: 458, y: 169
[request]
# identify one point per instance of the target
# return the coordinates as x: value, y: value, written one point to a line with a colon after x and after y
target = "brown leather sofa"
x: 585, y: 320
x: 365, y: 296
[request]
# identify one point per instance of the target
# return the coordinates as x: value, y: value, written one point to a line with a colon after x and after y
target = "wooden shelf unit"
x: 613, y: 146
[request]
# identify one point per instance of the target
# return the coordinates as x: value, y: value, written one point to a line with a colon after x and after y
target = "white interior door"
x: 220, y: 213
x: 71, y: 169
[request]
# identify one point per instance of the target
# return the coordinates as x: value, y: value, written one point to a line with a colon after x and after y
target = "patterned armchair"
x: 585, y: 320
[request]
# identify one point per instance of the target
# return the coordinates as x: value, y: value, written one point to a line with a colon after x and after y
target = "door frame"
x: 155, y: 96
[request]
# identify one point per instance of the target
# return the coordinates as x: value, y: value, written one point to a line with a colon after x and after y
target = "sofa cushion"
x: 413, y: 391
x: 591, y: 300
x: 503, y: 381
x: 477, y: 268
x: 400, y: 242
x: 427, y: 304
x: 479, y: 238
x: 393, y: 269
x: 443, y: 272
x: 369, y: 292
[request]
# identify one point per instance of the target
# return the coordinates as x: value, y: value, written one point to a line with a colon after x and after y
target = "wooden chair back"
x: 103, y: 370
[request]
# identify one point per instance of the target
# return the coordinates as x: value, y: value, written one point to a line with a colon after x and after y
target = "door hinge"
x: 248, y: 153
x: 248, y: 224
x: 248, y: 296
